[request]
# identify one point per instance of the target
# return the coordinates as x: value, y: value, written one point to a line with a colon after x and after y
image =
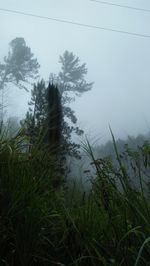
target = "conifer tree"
x: 19, y: 68
x: 44, y: 118
x: 36, y: 115
x: 54, y: 117
x: 71, y: 83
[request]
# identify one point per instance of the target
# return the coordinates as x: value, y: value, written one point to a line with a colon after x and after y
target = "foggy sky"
x: 118, y: 64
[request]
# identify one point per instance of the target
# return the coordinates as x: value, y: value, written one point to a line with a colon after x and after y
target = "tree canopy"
x: 72, y: 75
x: 19, y: 66
x: 71, y: 83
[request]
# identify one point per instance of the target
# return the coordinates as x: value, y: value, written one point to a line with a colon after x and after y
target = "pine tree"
x: 36, y: 115
x: 54, y: 117
x: 19, y: 65
x: 44, y: 119
x: 19, y: 68
x: 44, y: 128
x: 71, y: 82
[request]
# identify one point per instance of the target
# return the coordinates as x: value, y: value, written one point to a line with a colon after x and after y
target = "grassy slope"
x: 40, y: 225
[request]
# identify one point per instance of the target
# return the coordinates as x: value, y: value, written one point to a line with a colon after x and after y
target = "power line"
x: 122, y: 6
x: 75, y: 23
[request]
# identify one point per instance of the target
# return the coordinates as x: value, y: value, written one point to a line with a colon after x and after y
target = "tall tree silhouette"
x: 44, y: 119
x: 71, y: 83
x: 54, y: 117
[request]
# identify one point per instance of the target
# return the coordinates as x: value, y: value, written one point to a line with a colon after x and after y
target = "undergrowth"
x: 44, y: 224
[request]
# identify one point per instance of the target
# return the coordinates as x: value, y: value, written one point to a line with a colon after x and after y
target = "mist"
x: 118, y: 64
x: 74, y: 132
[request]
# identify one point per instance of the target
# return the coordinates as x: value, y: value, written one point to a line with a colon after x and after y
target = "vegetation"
x: 46, y: 225
x: 18, y: 68
x: 21, y: 68
x: 45, y: 220
x: 71, y: 83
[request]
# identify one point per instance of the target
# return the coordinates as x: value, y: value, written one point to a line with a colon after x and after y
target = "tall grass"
x: 44, y: 225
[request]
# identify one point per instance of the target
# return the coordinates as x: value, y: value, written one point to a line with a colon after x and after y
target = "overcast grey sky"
x: 118, y: 64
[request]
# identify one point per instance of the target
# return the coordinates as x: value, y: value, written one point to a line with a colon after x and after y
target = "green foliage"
x: 40, y: 225
x: 44, y: 118
x: 43, y: 125
x: 36, y: 116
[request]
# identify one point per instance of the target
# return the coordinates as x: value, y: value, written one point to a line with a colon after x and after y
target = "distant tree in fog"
x: 19, y: 67
x: 72, y: 76
x: 71, y: 82
x: 12, y: 126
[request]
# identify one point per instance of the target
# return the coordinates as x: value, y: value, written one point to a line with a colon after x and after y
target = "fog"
x: 118, y: 64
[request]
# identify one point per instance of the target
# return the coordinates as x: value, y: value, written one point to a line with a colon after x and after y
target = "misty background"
x: 118, y: 64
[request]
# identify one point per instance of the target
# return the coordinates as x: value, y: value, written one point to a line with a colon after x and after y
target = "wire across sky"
x: 16, y: 12
x: 120, y: 5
